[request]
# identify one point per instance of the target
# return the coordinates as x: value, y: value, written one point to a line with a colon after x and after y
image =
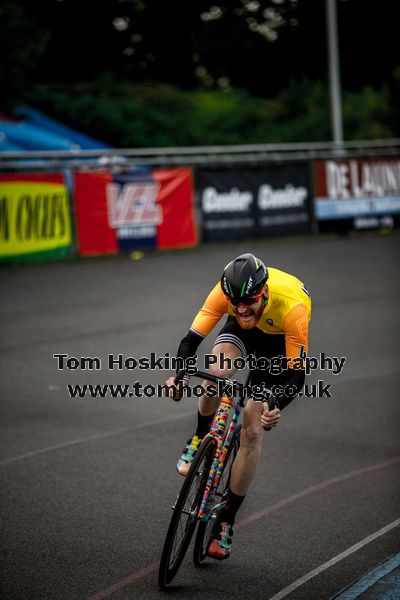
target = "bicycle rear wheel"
x: 206, y: 529
x: 184, y: 517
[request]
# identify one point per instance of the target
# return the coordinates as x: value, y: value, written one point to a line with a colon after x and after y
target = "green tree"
x: 146, y: 115
x: 22, y: 41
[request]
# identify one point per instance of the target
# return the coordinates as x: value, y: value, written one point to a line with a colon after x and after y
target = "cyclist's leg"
x: 245, y: 465
x: 242, y: 474
x: 248, y: 457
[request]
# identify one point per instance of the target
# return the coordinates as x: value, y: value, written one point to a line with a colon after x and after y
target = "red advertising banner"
x: 127, y: 211
x: 94, y: 235
x: 175, y: 196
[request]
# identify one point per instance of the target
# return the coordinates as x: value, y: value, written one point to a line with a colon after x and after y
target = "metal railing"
x: 248, y: 154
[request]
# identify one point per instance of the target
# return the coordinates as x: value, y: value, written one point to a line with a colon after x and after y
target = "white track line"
x: 296, y: 584
x: 134, y: 577
x: 92, y: 438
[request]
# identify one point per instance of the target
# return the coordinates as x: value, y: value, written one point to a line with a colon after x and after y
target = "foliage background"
x: 145, y: 73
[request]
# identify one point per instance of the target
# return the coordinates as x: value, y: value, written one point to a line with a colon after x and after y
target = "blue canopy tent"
x: 39, y: 132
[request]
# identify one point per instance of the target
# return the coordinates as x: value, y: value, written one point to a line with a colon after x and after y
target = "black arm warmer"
x: 189, y: 345
x: 292, y: 387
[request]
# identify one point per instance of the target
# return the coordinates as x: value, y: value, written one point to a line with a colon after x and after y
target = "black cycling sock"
x: 233, y: 503
x: 203, y: 424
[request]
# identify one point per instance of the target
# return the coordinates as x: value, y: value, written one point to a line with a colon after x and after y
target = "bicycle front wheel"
x: 207, y: 529
x: 184, y: 517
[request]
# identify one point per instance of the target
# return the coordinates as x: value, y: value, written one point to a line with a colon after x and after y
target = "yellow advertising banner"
x: 34, y: 215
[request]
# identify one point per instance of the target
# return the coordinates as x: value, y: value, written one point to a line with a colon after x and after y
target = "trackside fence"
x: 86, y: 202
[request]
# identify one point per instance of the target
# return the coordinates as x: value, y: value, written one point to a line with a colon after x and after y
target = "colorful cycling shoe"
x: 188, y: 454
x: 220, y: 547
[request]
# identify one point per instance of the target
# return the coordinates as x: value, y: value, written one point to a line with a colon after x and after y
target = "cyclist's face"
x: 246, y: 301
x: 248, y: 316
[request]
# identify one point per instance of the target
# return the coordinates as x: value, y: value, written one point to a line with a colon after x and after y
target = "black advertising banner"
x: 246, y: 203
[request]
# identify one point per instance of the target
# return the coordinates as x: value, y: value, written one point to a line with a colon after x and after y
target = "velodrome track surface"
x: 87, y: 483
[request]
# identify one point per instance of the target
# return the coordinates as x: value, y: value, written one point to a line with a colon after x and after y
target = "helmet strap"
x: 266, y: 295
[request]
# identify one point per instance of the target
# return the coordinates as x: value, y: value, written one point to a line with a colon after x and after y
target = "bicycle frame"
x: 217, y: 431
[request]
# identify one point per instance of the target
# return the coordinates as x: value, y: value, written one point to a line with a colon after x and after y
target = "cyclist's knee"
x: 251, y: 435
x: 221, y: 371
x: 223, y: 356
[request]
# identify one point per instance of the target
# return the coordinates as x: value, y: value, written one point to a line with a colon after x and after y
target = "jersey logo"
x: 270, y: 322
x: 305, y: 290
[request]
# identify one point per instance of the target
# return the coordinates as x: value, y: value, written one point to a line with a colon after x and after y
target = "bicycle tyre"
x: 195, y: 482
x: 206, y: 529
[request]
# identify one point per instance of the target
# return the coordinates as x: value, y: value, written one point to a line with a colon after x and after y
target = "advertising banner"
x: 248, y: 203
x: 364, y: 190
x: 34, y: 217
x: 128, y: 211
x: 175, y: 199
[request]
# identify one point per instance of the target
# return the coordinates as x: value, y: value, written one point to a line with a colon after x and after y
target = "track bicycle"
x: 201, y: 497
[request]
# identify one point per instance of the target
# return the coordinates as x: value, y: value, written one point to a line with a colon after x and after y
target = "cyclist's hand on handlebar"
x: 176, y: 390
x: 270, y: 418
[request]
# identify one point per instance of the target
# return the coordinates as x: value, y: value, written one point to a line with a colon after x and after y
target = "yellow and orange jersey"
x: 287, y: 312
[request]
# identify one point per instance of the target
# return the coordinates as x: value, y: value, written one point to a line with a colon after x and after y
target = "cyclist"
x: 268, y: 315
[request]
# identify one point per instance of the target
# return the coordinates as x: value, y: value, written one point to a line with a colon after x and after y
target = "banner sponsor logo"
x: 133, y: 211
x: 232, y: 201
x: 267, y: 199
x: 133, y: 204
x: 288, y: 197
x: 356, y: 188
x: 34, y: 217
x: 357, y: 179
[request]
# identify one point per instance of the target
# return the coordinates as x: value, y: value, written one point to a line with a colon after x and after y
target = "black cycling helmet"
x: 243, y: 277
